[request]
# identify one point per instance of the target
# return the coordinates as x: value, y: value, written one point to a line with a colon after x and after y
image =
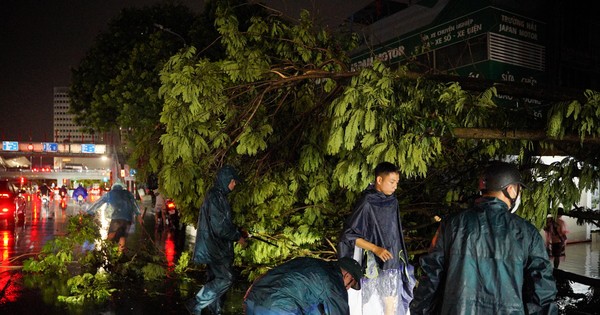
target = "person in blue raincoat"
x: 487, y: 260
x: 124, y: 210
x: 80, y: 191
x: 305, y: 286
x: 215, y: 235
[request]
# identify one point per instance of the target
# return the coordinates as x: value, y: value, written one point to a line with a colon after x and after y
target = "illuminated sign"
x: 10, y: 145
x: 88, y: 148
x: 49, y: 147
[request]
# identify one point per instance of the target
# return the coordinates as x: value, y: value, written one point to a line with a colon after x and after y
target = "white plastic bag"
x: 386, y: 292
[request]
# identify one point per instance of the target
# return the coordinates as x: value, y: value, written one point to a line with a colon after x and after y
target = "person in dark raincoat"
x: 214, y: 243
x: 304, y: 286
x: 487, y: 260
x: 375, y: 224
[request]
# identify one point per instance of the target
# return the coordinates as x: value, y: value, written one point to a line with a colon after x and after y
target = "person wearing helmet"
x: 487, y: 260
x: 124, y: 209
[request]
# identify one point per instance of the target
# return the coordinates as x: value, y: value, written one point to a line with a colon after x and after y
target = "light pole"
x: 168, y: 30
x: 30, y: 148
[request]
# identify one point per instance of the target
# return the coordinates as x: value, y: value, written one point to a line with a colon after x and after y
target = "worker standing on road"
x: 214, y: 243
x: 123, y: 209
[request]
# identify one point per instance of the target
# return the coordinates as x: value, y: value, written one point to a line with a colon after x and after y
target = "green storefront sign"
x: 487, y: 20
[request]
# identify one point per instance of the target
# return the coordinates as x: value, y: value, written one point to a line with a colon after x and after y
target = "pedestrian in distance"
x: 556, y: 237
x: 122, y: 206
x: 160, y: 209
x: 44, y: 190
x: 304, y: 286
x: 80, y: 194
x: 374, y: 228
x: 487, y: 260
x: 215, y: 235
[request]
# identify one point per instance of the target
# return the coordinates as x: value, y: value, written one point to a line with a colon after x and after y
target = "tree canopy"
x: 282, y: 105
x: 306, y: 132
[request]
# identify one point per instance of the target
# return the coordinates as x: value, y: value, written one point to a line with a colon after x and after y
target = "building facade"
x: 65, y: 128
x: 537, y: 43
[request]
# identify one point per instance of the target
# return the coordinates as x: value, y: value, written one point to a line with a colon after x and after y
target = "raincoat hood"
x: 224, y: 177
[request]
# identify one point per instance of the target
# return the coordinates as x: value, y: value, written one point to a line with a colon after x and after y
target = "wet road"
x: 42, y: 225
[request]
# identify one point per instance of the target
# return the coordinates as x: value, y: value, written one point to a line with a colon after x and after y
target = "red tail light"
x: 5, y: 210
x: 4, y: 196
x: 170, y: 205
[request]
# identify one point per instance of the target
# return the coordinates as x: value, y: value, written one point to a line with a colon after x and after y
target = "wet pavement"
x: 17, y: 296
x: 582, y: 259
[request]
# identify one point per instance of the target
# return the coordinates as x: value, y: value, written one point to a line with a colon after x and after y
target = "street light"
x: 30, y: 148
x: 168, y: 30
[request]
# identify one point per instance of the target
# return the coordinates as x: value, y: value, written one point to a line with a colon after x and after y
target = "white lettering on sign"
x: 530, y: 80
x: 516, y: 26
x: 387, y: 55
x: 449, y: 33
x: 508, y: 77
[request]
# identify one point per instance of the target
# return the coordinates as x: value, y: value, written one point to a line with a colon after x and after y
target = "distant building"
x: 65, y: 128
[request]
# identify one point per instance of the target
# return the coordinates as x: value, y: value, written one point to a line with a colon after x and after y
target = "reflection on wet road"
x: 43, y: 224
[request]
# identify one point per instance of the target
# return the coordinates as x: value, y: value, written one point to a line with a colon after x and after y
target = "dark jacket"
x: 300, y: 286
x: 486, y: 261
x: 215, y: 230
x: 376, y: 219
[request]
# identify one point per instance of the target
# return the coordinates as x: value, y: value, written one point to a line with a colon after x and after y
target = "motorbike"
x: 63, y: 200
x: 172, y: 215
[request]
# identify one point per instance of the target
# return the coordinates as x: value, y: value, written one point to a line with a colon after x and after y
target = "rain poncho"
x: 486, y: 261
x: 122, y: 204
x: 300, y: 286
x: 216, y: 231
x: 376, y: 219
x: 79, y: 191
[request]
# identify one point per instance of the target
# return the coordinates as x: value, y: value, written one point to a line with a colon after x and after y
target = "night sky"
x: 43, y: 39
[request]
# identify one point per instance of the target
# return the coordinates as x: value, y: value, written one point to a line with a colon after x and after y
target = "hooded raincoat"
x: 486, y: 260
x: 300, y: 286
x: 376, y: 219
x: 216, y: 231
